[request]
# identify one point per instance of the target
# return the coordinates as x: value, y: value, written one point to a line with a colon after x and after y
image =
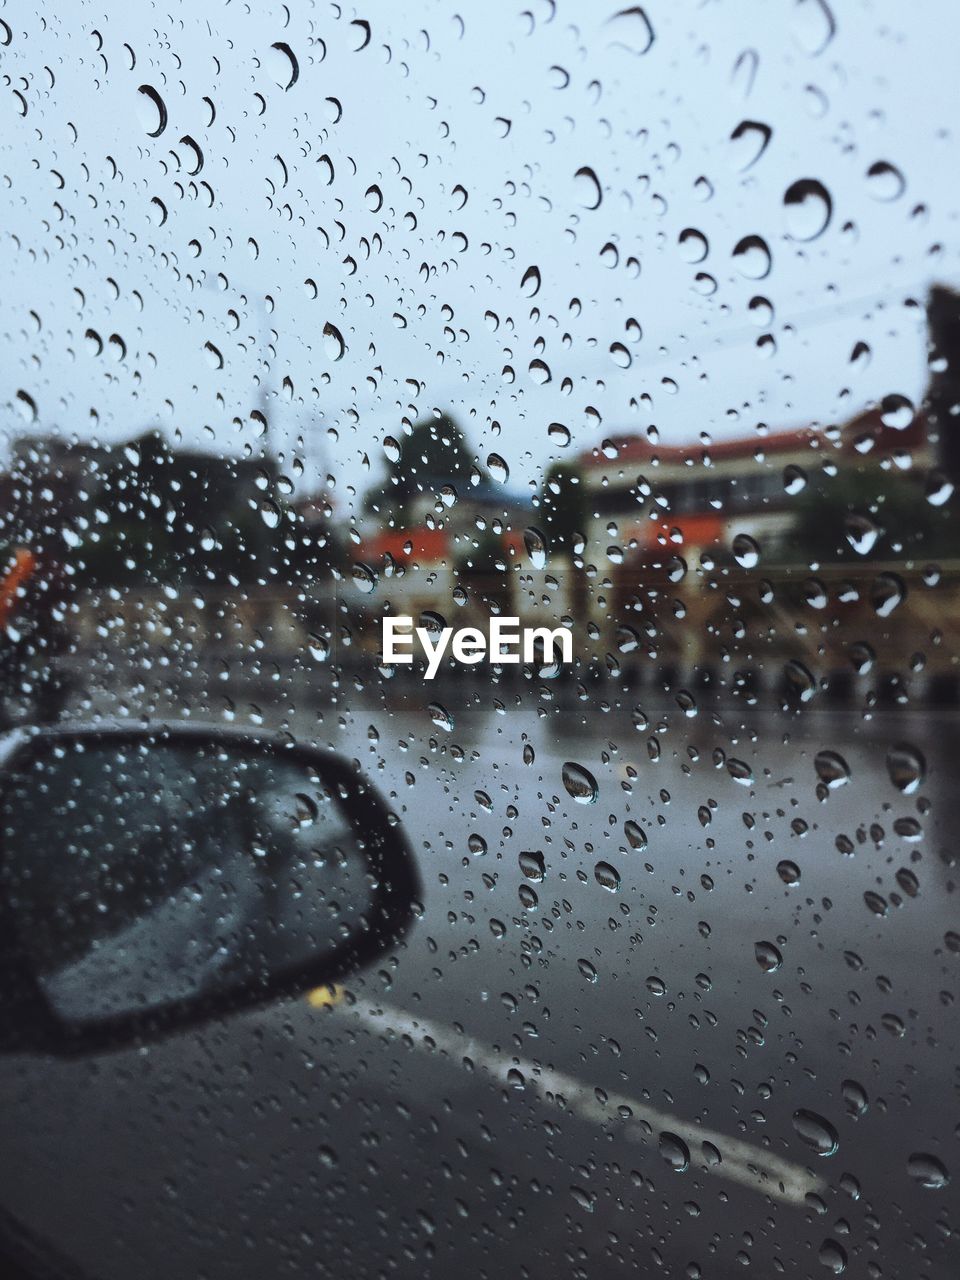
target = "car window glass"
x: 551, y: 408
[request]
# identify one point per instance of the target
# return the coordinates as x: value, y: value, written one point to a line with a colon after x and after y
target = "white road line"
x: 740, y: 1161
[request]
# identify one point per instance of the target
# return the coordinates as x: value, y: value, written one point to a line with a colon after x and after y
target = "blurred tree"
x: 435, y: 453
x: 483, y: 570
x: 487, y: 556
x: 831, y: 510
x: 160, y: 515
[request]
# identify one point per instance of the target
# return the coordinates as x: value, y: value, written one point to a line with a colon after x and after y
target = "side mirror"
x: 154, y: 878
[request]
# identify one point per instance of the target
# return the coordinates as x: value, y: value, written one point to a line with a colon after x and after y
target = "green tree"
x: 160, y: 515
x: 435, y: 453
x: 835, y: 512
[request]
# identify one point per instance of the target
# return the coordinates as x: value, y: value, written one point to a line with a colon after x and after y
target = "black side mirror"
x: 154, y: 878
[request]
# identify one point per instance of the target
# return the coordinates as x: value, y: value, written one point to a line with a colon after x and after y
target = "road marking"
x: 742, y: 1162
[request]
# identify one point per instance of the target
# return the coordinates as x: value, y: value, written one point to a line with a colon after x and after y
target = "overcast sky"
x: 399, y: 181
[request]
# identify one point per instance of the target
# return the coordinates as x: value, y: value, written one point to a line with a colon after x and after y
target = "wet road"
x: 687, y: 1046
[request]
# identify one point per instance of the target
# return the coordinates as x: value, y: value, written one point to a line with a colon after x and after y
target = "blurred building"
x: 636, y: 491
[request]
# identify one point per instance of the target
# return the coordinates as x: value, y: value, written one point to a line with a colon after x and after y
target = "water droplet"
x: 214, y: 355
x: 630, y: 30
x: 282, y: 65
x: 767, y: 956
x: 580, y: 783
x: 306, y: 812
x: 319, y: 647
x: 364, y: 578
x: 686, y: 702
x: 532, y: 864
x: 753, y: 258
x: 761, y: 311
x: 606, y: 876
x: 559, y: 434
x: 675, y: 1151
x: 906, y: 767
x: 440, y: 716
x: 656, y: 985
x: 938, y: 489
x: 529, y: 755
x: 907, y: 881
x: 808, y: 207
x: 886, y: 592
x: 536, y: 546
x: 740, y: 771
x: 362, y: 34
x: 391, y: 448
x: 814, y: 26
x: 745, y: 551
x: 484, y: 801
x: 499, y: 471
x: 196, y: 156
x: 585, y: 1199
x: 636, y: 836
x: 897, y: 411
x: 151, y: 111
x: 26, y: 406
x: 861, y: 656
x: 788, y: 872
x: 694, y: 246
x: 530, y: 283
x: 749, y: 140
x: 832, y: 770
x: 587, y: 188
x: 928, y: 1171
x: 794, y: 479
x: 799, y: 680
x: 816, y: 1131
x: 875, y: 902
x: 885, y: 181
x: 528, y: 897
x: 333, y: 343
x: 587, y: 969
x: 855, y: 1097
x: 833, y: 1256
x: 270, y: 513
x: 861, y: 533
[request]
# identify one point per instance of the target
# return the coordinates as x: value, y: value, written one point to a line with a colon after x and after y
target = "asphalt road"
x: 608, y: 1078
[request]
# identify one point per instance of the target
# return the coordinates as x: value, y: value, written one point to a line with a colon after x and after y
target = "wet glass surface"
x: 641, y: 324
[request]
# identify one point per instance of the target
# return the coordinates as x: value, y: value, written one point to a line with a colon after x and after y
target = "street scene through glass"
x: 480, y: 640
